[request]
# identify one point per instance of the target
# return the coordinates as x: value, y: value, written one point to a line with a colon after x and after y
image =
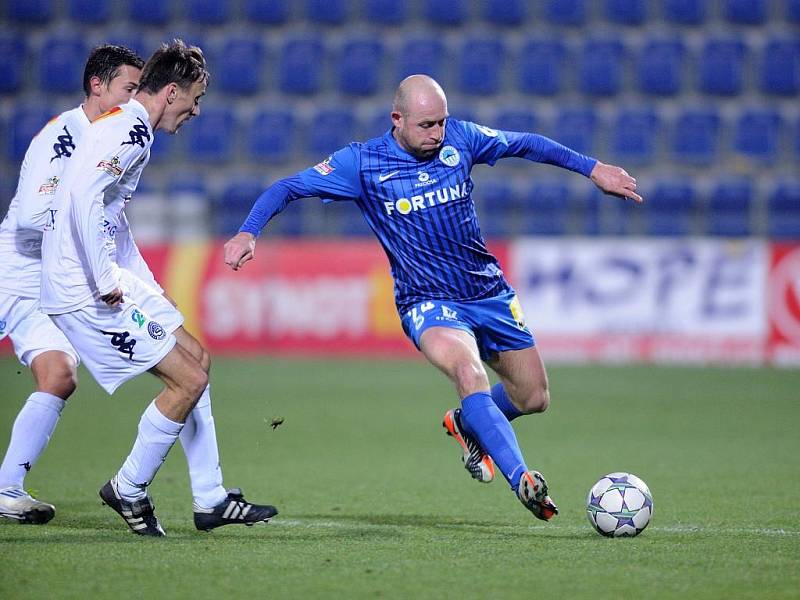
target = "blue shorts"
x: 496, y: 323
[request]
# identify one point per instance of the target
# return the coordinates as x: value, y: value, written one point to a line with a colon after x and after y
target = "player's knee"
x: 59, y: 379
x: 537, y: 401
x: 196, y: 382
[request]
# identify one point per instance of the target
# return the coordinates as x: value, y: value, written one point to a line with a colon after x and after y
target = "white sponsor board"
x: 682, y: 300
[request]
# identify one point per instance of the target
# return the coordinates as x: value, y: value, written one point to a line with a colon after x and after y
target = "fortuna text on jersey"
x: 438, y: 196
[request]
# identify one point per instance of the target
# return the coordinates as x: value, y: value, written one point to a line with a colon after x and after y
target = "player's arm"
x: 129, y: 257
x: 99, y: 171
x: 36, y: 183
x: 609, y: 178
x: 336, y: 178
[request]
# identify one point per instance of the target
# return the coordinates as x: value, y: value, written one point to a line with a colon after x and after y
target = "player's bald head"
x: 418, y: 92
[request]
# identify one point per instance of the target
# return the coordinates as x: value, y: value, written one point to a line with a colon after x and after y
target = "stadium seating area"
x: 697, y: 98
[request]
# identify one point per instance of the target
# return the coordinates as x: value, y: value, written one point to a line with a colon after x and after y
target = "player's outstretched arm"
x: 240, y: 249
x: 615, y: 181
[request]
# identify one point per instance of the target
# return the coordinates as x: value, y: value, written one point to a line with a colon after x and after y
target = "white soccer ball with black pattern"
x: 619, y: 505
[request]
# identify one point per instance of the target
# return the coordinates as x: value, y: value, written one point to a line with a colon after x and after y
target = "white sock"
x: 32, y: 429
x: 156, y: 436
x: 199, y: 441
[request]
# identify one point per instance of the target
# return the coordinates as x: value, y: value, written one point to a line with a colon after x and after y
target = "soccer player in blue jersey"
x: 414, y: 189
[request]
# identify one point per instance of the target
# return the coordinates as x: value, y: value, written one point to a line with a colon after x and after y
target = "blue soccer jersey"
x: 421, y: 210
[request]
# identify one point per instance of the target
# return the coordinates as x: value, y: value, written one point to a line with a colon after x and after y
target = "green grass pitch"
x: 374, y: 501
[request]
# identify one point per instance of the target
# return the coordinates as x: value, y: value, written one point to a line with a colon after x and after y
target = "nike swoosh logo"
x: 383, y: 178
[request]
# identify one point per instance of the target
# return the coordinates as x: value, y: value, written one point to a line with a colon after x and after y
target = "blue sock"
x: 503, y: 402
x: 481, y: 417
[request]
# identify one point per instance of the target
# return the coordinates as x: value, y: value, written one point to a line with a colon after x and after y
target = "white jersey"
x: 88, y: 238
x: 21, y: 231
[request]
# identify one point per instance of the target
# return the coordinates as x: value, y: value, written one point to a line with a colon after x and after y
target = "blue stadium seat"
x: 331, y: 129
x: 266, y: 12
x: 660, y: 66
x: 601, y: 67
x: 541, y: 65
x: 62, y: 60
x: 635, y: 135
x: 757, y: 133
x: 481, y: 65
x: 566, y: 12
x: 90, y: 11
x: 30, y: 11
x: 746, y: 12
x: 423, y: 54
x: 13, y: 56
x: 233, y: 205
x: 133, y: 39
x: 301, y: 65
x: 495, y: 200
x: 729, y: 208
x: 793, y: 11
x: 207, y: 12
x: 783, y: 210
x: 547, y: 208
x: 327, y: 12
x: 271, y: 134
x: 350, y: 221
x: 240, y: 65
x: 505, y: 12
x: 360, y: 66
x: 150, y: 12
x: 577, y: 128
x: 25, y: 122
x: 386, y: 12
x: 721, y: 66
x: 164, y: 149
x: 445, y: 12
x: 374, y: 123
x: 695, y: 136
x: 670, y: 209
x: 210, y: 137
x: 685, y: 12
x: 779, y: 66
x: 514, y: 118
x: 627, y: 12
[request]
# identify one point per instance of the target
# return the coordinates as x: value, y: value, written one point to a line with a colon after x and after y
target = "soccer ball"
x: 619, y: 505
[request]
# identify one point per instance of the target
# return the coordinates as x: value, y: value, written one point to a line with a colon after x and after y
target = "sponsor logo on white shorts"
x: 156, y: 331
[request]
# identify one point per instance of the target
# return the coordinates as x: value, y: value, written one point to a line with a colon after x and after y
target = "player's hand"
x: 240, y: 249
x: 113, y: 298
x: 615, y: 181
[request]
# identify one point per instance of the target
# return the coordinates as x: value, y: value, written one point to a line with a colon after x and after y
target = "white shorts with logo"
x: 31, y: 331
x: 117, y: 344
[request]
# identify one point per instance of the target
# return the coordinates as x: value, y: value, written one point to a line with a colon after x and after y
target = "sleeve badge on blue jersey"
x: 325, y: 168
x: 487, y: 131
x: 110, y: 166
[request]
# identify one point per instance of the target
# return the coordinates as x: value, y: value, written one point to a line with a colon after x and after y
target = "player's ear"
x: 171, y: 92
x: 397, y: 118
x: 95, y: 85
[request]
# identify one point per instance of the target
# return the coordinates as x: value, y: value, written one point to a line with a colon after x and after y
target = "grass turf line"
x: 374, y: 502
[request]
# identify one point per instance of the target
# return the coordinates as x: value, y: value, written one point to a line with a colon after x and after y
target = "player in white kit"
x: 110, y: 77
x: 100, y: 293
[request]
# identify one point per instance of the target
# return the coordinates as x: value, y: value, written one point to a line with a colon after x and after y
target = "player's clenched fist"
x: 239, y: 249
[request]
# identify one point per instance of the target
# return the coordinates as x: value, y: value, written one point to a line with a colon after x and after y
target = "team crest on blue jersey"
x: 449, y: 156
x: 324, y: 168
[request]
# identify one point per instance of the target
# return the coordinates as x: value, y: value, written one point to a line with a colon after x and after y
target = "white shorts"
x: 31, y: 331
x: 117, y: 344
